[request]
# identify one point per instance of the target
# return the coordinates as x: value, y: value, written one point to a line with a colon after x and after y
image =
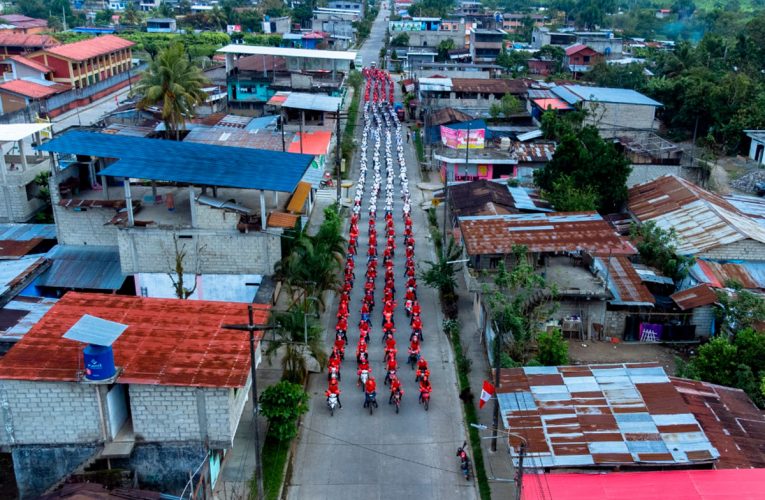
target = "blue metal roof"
x: 26, y: 232
x: 88, y: 267
x: 192, y: 163
x: 572, y: 94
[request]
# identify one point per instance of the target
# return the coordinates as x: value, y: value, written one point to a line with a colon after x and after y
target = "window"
x: 494, y: 262
x: 32, y: 191
x: 586, y: 59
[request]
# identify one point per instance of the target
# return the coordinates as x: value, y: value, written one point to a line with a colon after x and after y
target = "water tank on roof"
x: 99, y: 362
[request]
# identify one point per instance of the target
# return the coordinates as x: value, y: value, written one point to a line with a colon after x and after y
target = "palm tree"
x: 290, y: 335
x: 174, y: 83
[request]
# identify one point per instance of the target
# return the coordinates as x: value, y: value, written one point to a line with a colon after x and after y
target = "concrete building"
x: 469, y: 95
x: 17, y: 23
x: 757, y: 146
x: 602, y: 42
x: 274, y: 25
x: 19, y: 43
x: 486, y: 45
x: 153, y: 413
x: 429, y: 31
x: 581, y: 58
x: 207, y: 206
x: 20, y: 67
x: 20, y: 165
x: 348, y: 5
x: 161, y: 25
x: 614, y: 112
x: 87, y: 62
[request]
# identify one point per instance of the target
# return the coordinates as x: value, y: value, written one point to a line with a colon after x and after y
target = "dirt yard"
x: 604, y: 352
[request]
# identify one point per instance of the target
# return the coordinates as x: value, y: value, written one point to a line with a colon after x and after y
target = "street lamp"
x: 251, y: 327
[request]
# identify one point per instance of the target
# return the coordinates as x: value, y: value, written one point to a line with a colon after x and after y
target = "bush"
x: 282, y: 404
x: 552, y: 349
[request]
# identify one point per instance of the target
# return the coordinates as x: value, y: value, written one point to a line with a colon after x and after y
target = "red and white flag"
x: 487, y: 391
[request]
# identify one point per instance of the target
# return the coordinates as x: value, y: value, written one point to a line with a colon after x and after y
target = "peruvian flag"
x: 487, y: 391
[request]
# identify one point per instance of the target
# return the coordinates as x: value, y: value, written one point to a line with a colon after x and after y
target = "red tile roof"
x: 734, y: 425
x: 92, y: 47
x: 31, y: 89
x: 550, y: 232
x: 31, y: 64
x: 27, y: 41
x: 167, y: 342
x: 697, y: 296
x: 575, y: 48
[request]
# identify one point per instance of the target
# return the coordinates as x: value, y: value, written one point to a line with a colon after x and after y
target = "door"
x: 116, y: 408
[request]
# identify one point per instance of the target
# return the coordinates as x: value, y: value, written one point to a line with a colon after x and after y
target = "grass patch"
x: 452, y: 329
x: 419, y: 146
x: 348, y: 146
x: 274, y: 458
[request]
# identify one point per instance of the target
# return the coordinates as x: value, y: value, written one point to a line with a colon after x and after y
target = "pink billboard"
x: 458, y: 138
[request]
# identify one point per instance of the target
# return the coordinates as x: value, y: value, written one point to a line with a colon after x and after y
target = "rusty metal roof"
x: 545, y: 232
x: 488, y: 85
x: 701, y: 219
x: 734, y: 425
x: 448, y: 115
x: 625, y: 414
x: 697, y: 296
x: 624, y: 282
x: 717, y: 274
x: 534, y: 152
x: 168, y: 341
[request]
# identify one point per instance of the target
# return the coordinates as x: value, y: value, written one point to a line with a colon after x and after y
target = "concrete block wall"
x: 610, y: 117
x: 748, y: 249
x: 209, y: 251
x: 592, y: 311
x: 615, y: 323
x: 703, y: 317
x: 49, y: 413
x: 172, y: 413
x: 21, y: 209
x: 237, y: 399
x: 207, y: 217
x: 37, y: 468
x: 87, y: 227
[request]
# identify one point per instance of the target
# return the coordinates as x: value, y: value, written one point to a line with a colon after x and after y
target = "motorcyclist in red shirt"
x: 334, y: 388
x: 395, y: 387
x: 425, y: 387
x: 422, y: 369
x: 370, y: 392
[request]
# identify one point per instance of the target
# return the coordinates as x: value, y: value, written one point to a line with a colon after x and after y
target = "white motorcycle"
x: 363, y: 377
x: 332, y: 403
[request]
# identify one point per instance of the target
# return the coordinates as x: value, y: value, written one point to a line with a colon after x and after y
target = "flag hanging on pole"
x: 487, y: 391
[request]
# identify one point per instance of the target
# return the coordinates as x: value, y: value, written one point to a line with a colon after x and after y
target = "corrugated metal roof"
x: 167, y: 342
x: 552, y: 232
x: 576, y: 93
x: 313, y: 143
x: 198, y: 164
x: 615, y: 414
x: 335, y: 55
x: 697, y: 296
x: 299, y: 197
x: 488, y: 85
x: 18, y: 316
x: 16, y: 272
x: 24, y: 232
x: 734, y: 425
x: 535, y: 152
x: 702, y: 220
x: 313, y: 102
x: 234, y: 137
x: 88, y: 267
x: 753, y: 206
x: 624, y: 282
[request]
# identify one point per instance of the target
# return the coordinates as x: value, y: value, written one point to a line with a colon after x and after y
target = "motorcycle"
x: 389, y: 377
x: 397, y: 400
x: 370, y: 401
x: 464, y: 461
x: 414, y: 357
x: 363, y: 377
x: 426, y: 400
x: 334, y: 372
x: 389, y: 354
x: 332, y: 403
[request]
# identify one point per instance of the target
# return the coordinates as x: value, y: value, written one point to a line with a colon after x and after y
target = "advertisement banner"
x: 458, y: 138
x: 233, y: 28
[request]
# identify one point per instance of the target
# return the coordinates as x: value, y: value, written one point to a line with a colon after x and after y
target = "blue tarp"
x: 191, y: 163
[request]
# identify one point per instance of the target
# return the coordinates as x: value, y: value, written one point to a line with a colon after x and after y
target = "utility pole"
x: 467, y: 151
x: 337, y: 153
x: 300, y: 134
x: 497, y: 369
x: 519, y: 472
x: 251, y: 327
x: 281, y: 119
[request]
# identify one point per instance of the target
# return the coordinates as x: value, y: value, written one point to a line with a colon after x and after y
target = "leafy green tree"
x: 443, y: 49
x: 716, y: 362
x: 174, y: 84
x: 628, y: 76
x: 441, y: 274
x: 400, y: 40
x: 567, y: 197
x: 684, y: 8
x: 741, y: 309
x: 431, y: 8
x: 282, y: 404
x: 552, y: 349
x: 515, y: 61
x: 658, y: 248
x: 589, y: 161
x: 293, y: 326
x: 552, y: 53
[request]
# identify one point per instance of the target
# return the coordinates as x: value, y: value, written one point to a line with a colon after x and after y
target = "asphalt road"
x: 386, y: 455
x: 90, y: 114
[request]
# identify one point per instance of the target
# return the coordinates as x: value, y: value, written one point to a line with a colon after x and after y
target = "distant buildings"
x: 20, y: 43
x: 161, y: 25
x: 602, y: 42
x: 17, y: 23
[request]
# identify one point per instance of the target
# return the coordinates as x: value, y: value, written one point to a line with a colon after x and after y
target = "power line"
x: 364, y: 447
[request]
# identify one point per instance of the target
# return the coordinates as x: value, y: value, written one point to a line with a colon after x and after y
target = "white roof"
x: 257, y: 50
x: 314, y: 102
x: 19, y: 131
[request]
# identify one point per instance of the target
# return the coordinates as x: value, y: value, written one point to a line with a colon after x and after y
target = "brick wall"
x: 172, y: 413
x: 48, y: 413
x: 749, y: 249
x: 207, y: 217
x: 615, y: 323
x: 209, y: 251
x: 609, y: 117
x: 85, y: 227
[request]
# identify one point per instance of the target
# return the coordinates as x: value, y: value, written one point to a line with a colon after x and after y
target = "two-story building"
x: 581, y: 58
x: 20, y: 165
x: 23, y: 24
x: 20, y: 43
x: 486, y: 45
x: 87, y: 62
x: 168, y: 386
